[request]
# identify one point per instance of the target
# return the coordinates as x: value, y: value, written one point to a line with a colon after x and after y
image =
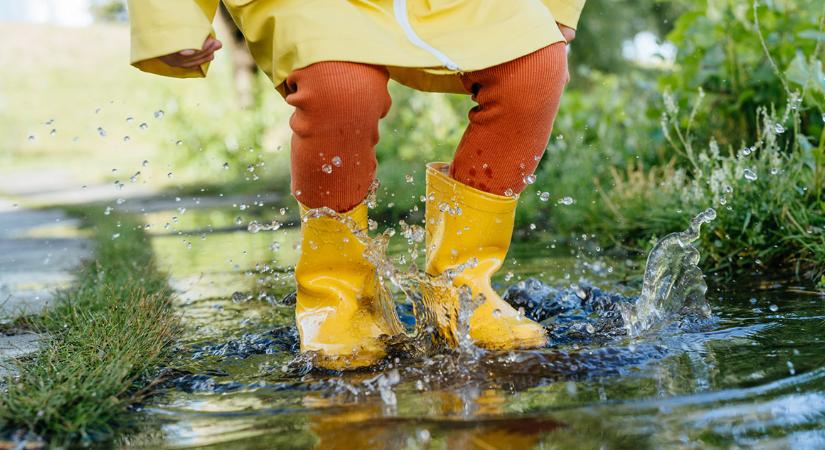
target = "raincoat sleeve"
x: 566, y: 12
x: 161, y: 27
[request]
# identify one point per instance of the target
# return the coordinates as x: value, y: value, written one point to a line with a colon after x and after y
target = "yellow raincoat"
x: 424, y: 43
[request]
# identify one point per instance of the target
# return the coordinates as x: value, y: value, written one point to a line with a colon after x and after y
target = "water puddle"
x: 648, y: 371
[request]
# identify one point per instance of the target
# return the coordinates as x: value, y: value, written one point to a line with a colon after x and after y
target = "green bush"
x: 745, y: 55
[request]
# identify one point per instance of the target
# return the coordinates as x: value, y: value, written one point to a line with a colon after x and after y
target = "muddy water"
x: 754, y: 375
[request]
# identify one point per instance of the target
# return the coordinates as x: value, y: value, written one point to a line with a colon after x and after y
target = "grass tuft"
x: 108, y: 335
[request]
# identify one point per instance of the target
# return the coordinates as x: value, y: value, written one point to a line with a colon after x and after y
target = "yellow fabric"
x: 285, y: 35
x: 161, y: 27
x: 338, y: 312
x: 566, y: 12
x: 464, y: 223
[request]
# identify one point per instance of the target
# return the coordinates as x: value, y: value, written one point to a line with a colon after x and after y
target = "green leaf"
x: 800, y: 71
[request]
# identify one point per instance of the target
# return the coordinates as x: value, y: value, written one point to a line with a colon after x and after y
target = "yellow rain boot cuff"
x: 356, y: 216
x: 440, y: 182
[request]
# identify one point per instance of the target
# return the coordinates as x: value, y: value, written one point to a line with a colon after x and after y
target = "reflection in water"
x: 750, y: 377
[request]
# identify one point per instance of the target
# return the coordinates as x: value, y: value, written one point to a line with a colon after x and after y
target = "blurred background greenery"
x: 674, y: 106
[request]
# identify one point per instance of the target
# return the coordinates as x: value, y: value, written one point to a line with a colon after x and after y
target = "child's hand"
x: 568, y: 33
x: 191, y: 58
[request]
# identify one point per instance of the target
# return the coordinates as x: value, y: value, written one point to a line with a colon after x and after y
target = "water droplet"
x: 773, y: 308
x: 567, y: 201
x: 544, y: 196
x: 120, y: 201
x: 508, y: 192
x: 101, y: 131
x: 372, y: 225
x: 532, y: 226
x: 326, y: 168
x: 226, y: 166
x: 496, y: 313
x: 130, y: 119
x: 53, y: 132
x: 590, y: 328
x: 159, y: 114
x: 728, y: 189
x: 779, y: 128
x: 409, y: 179
x: 126, y: 139
x: 774, y: 170
x: 115, y: 236
x: 253, y: 227
x: 336, y: 161
x: 723, y: 201
x: 143, y: 125
x: 179, y: 142
x: 134, y: 177
x: 530, y: 179
x: 750, y: 175
x: 30, y: 137
x: 169, y: 175
x: 107, y: 211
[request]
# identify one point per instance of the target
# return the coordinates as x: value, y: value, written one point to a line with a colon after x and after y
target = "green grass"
x: 108, y: 335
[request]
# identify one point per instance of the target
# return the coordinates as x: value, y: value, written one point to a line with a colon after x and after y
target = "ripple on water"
x: 723, y: 381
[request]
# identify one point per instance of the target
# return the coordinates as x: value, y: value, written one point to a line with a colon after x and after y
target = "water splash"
x: 673, y: 283
x: 441, y: 312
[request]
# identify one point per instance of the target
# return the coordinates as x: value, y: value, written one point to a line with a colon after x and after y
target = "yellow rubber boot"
x: 464, y: 223
x: 341, y: 308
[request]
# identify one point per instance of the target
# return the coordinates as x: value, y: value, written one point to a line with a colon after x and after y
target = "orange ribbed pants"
x: 338, y: 106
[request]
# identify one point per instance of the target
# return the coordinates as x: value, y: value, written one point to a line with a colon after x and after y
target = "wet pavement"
x: 39, y: 250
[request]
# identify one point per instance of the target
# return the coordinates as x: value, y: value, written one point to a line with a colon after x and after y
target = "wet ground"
x: 39, y: 251
x: 753, y: 375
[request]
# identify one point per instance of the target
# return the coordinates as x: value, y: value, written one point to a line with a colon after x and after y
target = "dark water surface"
x: 754, y: 375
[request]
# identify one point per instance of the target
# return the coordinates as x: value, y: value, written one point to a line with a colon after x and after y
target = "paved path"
x: 39, y: 251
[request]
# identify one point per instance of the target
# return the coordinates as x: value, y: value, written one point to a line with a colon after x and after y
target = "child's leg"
x: 510, y: 126
x: 335, y: 129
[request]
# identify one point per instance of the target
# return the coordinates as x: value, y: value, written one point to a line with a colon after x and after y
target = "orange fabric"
x: 335, y: 127
x: 510, y: 126
x: 338, y: 106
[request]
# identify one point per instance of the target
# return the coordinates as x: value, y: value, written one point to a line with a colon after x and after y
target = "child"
x: 331, y: 60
